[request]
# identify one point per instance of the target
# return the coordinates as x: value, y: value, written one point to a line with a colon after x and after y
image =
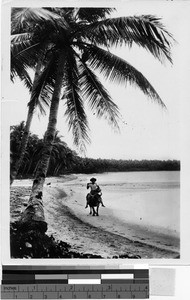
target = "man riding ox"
x: 95, y: 191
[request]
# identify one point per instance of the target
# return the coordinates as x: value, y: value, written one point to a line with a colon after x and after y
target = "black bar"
x: 118, y: 281
x: 95, y: 271
x: 141, y: 273
x: 39, y: 281
x: 17, y: 277
x: 143, y: 281
x: 124, y: 281
x: 51, y: 281
x: 14, y: 282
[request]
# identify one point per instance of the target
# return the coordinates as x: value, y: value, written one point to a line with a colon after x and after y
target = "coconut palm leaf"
x: 92, y: 14
x: 146, y: 31
x: 24, y: 53
x: 25, y: 38
x: 24, y: 60
x: 23, y: 17
x: 98, y: 97
x: 118, y: 70
x: 20, y: 64
x: 21, y: 71
x: 75, y: 114
x: 25, y: 48
x: 43, y: 87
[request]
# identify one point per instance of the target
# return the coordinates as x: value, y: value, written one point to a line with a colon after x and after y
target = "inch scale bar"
x: 75, y: 284
x: 58, y: 291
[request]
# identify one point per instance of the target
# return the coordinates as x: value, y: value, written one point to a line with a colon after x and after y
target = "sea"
x: 148, y: 199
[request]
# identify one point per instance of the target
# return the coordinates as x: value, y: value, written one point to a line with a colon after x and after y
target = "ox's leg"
x: 87, y: 200
x: 94, y: 212
x: 90, y: 210
x: 97, y: 210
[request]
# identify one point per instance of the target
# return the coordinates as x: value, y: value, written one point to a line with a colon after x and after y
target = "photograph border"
x: 184, y: 143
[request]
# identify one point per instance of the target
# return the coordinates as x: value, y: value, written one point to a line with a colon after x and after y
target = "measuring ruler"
x: 24, y: 283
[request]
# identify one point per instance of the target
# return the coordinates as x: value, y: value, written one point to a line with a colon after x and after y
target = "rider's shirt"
x: 93, y: 186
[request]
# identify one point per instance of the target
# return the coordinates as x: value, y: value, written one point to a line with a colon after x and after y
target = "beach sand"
x: 106, y: 235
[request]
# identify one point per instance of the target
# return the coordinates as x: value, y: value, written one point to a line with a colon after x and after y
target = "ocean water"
x: 148, y: 199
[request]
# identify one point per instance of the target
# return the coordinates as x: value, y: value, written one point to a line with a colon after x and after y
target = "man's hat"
x: 93, y: 179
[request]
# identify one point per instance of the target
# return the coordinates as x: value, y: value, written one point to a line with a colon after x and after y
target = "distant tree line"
x: 90, y: 165
x: 64, y: 160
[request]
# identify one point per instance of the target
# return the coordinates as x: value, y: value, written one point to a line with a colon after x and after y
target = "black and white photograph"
x: 93, y: 111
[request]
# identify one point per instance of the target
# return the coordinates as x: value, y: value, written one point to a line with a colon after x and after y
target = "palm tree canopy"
x: 92, y: 14
x: 23, y: 17
x: 146, y: 31
x: 85, y: 35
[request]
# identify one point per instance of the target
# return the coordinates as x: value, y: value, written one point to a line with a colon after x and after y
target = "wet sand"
x: 106, y: 235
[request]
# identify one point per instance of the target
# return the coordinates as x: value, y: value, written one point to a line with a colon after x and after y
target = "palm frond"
x: 75, y: 113
x: 27, y: 55
x: 20, y: 38
x: 25, y: 50
x: 98, y: 97
x: 20, y: 70
x: 43, y: 86
x: 24, y: 17
x: 92, y: 14
x: 24, y: 57
x: 118, y: 70
x: 146, y: 31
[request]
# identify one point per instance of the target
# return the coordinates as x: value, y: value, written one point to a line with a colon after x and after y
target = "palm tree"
x: 15, y: 139
x: 76, y: 50
x: 61, y: 155
x: 31, y: 107
x: 25, y: 22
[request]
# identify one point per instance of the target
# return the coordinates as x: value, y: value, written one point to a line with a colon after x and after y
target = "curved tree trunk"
x: 33, y: 217
x: 23, y: 145
x: 30, y: 164
x: 24, y: 141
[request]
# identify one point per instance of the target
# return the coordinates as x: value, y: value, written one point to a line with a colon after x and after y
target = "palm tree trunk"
x: 33, y: 217
x: 23, y: 145
x: 30, y: 164
x: 24, y: 140
x: 57, y: 169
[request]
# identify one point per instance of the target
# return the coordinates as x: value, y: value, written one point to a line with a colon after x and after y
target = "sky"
x: 146, y: 130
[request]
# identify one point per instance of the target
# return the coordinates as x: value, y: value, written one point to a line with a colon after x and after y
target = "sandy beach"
x: 108, y: 235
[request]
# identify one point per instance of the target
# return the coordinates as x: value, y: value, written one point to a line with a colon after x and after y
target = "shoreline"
x: 69, y: 222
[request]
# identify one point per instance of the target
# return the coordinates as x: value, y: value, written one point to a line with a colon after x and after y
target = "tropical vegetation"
x: 62, y: 157
x: 72, y: 45
x: 22, y: 26
x: 64, y: 160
